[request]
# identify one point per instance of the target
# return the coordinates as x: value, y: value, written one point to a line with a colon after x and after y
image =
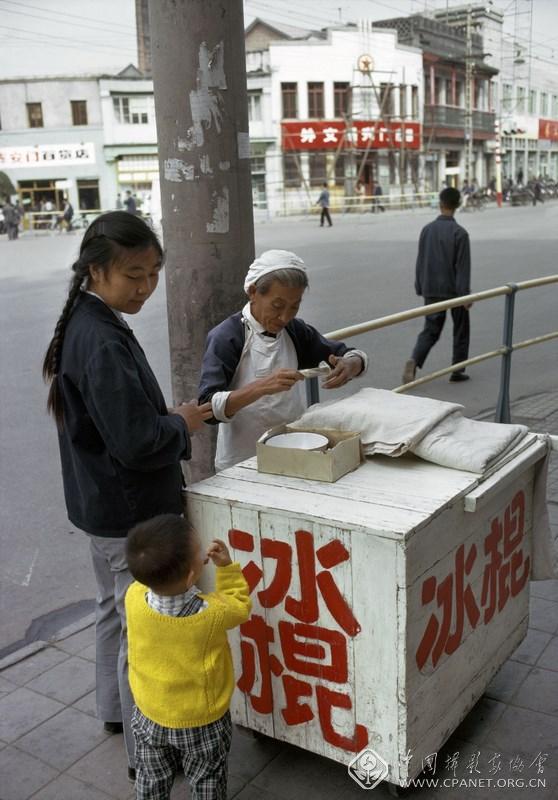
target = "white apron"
x: 261, y: 355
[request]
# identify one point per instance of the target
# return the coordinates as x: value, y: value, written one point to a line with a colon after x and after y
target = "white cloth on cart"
x: 392, y: 424
x: 389, y: 424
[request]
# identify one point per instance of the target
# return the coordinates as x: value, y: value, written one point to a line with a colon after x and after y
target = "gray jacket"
x: 443, y: 266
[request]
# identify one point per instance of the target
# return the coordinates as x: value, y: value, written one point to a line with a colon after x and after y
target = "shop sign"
x: 47, y: 155
x: 362, y: 135
x: 548, y: 129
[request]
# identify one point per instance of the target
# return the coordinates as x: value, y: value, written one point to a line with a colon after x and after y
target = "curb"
x: 34, y: 647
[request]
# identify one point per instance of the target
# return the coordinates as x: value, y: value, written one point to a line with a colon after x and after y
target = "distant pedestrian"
x: 323, y: 201
x: 130, y: 203
x: 537, y: 193
x: 11, y: 219
x: 119, y: 204
x: 181, y: 670
x: 443, y: 271
x: 377, y: 201
x: 67, y: 215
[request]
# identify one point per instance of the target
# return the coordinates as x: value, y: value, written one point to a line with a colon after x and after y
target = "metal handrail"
x: 505, y: 351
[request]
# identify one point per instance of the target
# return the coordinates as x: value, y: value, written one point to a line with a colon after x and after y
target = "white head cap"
x: 271, y: 261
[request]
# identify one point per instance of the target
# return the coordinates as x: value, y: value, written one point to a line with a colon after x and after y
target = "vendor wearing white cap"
x: 251, y: 361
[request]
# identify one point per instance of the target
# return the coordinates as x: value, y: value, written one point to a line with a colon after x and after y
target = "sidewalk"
x: 53, y: 748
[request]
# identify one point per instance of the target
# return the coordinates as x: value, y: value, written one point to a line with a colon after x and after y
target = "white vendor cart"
x: 383, y: 603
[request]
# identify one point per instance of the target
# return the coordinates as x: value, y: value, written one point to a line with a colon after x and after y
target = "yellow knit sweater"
x: 180, y: 668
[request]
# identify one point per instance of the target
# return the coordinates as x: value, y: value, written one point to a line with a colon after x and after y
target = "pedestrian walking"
x: 323, y: 201
x: 120, y: 446
x: 443, y: 271
x: 119, y: 204
x: 130, y: 203
x: 377, y: 201
x: 11, y: 219
x: 181, y: 719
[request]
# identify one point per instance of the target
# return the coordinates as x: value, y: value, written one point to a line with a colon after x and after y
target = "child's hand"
x: 218, y: 552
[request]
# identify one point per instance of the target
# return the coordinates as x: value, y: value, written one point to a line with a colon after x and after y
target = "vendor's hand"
x: 194, y: 415
x: 343, y: 370
x: 279, y: 381
x: 218, y: 552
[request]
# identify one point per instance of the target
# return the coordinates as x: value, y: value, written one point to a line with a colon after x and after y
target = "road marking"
x: 27, y: 579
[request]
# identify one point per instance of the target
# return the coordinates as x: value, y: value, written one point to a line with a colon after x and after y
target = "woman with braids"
x: 120, y: 446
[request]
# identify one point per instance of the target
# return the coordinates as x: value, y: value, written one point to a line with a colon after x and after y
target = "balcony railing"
x: 451, y: 117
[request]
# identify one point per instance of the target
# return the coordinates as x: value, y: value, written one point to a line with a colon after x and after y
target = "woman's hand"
x: 218, y: 552
x: 343, y: 370
x: 279, y: 381
x: 193, y: 415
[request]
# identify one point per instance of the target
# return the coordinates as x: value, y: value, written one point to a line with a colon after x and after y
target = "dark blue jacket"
x: 225, y: 342
x: 120, y: 448
x: 443, y: 266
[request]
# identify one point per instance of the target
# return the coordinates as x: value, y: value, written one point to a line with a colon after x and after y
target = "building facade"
x: 340, y: 106
x: 450, y: 94
x: 88, y: 139
x: 525, y: 96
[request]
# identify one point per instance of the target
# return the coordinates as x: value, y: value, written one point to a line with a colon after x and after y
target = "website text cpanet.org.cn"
x: 454, y: 770
x: 477, y: 783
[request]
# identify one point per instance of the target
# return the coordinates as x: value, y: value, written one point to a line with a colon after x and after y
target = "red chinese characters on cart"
x: 308, y: 650
x: 505, y: 573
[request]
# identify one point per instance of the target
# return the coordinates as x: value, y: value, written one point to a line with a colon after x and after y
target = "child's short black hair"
x: 450, y: 198
x: 160, y: 550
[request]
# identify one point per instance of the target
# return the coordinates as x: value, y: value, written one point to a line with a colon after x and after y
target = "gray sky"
x: 54, y: 37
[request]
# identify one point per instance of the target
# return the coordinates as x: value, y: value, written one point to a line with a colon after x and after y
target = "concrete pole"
x: 199, y: 76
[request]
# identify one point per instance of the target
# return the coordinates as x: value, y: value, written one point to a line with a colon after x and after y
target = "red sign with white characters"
x: 505, y: 574
x: 307, y: 649
x: 548, y: 129
x: 325, y: 135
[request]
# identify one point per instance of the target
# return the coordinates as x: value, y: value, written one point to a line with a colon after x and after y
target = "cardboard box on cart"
x: 383, y: 603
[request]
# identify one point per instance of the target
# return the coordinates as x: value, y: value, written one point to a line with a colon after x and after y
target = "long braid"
x: 51, y: 363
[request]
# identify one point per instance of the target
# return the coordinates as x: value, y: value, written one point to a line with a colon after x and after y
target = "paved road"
x: 360, y: 269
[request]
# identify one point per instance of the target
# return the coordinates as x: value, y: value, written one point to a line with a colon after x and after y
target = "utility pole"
x: 199, y: 76
x: 469, y: 97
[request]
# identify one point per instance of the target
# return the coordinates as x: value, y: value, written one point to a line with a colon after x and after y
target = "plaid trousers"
x: 201, y: 752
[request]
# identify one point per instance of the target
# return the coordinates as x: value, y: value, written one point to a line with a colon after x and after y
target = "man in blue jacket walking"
x: 443, y: 271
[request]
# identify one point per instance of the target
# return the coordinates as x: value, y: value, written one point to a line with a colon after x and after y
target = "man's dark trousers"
x: 433, y: 325
x: 325, y: 215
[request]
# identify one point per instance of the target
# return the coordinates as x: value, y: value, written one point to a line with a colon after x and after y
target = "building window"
x: 532, y: 101
x: 386, y: 99
x: 133, y: 110
x: 402, y: 101
x: 459, y: 94
x: 449, y: 98
x: 315, y: 100
x: 555, y: 106
x: 289, y: 92
x: 35, y: 115
x: 291, y: 171
x: 507, y: 97
x: 254, y: 106
x: 79, y: 112
x: 544, y: 104
x: 414, y: 102
x: 88, y: 195
x: 317, y: 168
x: 340, y: 170
x: 520, y: 105
x: 341, y: 99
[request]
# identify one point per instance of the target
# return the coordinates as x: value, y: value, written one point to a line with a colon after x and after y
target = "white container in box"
x: 343, y: 455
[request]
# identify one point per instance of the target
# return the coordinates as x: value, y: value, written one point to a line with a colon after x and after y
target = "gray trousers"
x: 114, y: 699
